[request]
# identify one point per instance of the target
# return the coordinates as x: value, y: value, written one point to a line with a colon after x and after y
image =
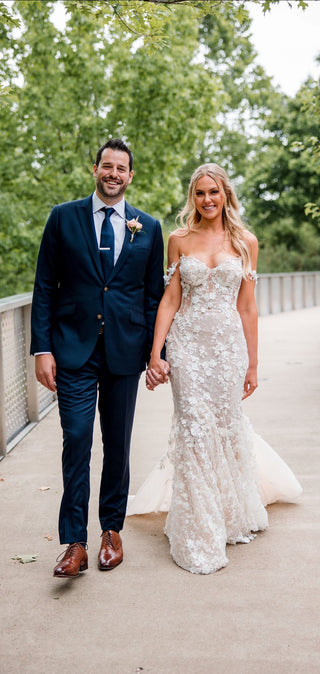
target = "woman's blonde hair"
x: 233, y: 226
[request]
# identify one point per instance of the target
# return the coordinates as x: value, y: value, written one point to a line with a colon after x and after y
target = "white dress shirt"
x: 118, y: 221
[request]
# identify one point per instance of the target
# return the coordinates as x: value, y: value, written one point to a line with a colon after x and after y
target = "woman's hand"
x: 250, y: 382
x: 157, y: 373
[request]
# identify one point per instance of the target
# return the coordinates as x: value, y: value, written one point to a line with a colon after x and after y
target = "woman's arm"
x: 169, y: 305
x: 249, y: 316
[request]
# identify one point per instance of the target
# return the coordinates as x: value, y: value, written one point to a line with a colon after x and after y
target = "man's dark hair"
x: 115, y: 144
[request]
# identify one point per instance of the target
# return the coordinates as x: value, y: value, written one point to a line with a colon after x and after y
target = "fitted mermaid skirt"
x: 217, y: 475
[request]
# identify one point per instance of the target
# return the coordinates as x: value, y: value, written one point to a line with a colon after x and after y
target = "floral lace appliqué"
x: 168, y: 276
x: 252, y: 275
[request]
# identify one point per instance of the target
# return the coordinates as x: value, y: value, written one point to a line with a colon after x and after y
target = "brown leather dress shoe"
x: 111, y: 553
x: 74, y: 560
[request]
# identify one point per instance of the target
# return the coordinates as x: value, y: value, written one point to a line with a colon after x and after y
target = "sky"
x: 287, y: 41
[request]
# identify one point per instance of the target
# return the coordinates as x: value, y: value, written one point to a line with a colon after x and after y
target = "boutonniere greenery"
x: 134, y: 226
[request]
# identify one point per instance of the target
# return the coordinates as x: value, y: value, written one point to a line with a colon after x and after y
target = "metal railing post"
x: 304, y: 290
x: 32, y: 384
x: 293, y: 295
x: 270, y: 302
x: 315, y: 290
x: 3, y: 434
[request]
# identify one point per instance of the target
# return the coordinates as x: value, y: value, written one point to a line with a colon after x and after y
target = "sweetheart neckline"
x: 194, y: 257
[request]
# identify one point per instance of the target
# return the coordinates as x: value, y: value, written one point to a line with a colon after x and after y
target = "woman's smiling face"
x: 208, y: 199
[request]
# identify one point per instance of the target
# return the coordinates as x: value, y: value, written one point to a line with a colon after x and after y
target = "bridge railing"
x: 23, y: 401
x: 287, y: 292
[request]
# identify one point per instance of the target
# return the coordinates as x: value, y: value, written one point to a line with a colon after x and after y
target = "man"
x: 97, y: 288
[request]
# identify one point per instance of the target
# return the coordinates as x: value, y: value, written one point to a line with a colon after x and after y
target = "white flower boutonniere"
x: 135, y: 227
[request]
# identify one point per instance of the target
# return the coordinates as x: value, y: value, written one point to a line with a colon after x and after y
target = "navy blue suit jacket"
x: 71, y: 297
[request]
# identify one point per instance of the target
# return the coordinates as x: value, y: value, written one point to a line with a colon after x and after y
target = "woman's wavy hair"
x: 234, y: 227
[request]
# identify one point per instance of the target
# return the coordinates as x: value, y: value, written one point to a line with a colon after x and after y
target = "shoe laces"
x: 107, y: 538
x: 71, y: 550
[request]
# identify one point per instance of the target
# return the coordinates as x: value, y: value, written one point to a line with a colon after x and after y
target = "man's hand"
x: 157, y: 373
x: 45, y: 367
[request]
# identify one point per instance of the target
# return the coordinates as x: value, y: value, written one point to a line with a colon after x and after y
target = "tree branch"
x: 170, y: 2
x: 125, y: 24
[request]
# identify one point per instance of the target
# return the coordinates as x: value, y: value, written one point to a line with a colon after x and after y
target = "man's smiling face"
x: 112, y: 175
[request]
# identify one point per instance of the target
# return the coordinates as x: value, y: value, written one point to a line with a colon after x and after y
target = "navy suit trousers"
x: 77, y: 396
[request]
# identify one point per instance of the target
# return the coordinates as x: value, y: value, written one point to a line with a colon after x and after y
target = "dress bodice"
x: 207, y: 291
x: 206, y: 288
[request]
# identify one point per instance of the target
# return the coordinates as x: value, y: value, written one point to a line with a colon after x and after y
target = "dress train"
x: 275, y: 480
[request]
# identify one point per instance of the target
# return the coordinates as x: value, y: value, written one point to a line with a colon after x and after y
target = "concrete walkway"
x: 258, y: 615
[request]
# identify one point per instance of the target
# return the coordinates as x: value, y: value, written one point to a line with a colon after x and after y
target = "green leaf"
x: 25, y: 559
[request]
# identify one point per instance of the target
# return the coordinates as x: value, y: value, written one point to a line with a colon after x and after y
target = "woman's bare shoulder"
x: 250, y: 239
x: 176, y: 244
x: 178, y: 233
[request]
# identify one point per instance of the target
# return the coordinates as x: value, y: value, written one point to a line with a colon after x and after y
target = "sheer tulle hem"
x: 275, y: 480
x: 155, y: 493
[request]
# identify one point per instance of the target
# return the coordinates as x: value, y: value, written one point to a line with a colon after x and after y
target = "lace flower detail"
x: 252, y: 275
x: 168, y: 276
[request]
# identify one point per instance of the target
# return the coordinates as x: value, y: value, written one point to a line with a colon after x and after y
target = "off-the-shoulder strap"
x: 168, y: 276
x: 252, y: 275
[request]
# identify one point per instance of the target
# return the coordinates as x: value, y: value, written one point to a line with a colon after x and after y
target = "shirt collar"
x: 98, y: 204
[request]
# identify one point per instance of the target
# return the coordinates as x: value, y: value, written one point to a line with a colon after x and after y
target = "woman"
x: 208, y: 318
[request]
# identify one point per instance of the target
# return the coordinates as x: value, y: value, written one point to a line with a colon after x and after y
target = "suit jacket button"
x: 105, y: 289
x: 99, y: 316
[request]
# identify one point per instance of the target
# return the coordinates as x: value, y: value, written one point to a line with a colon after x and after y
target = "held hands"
x: 250, y: 383
x: 45, y: 367
x: 157, y: 373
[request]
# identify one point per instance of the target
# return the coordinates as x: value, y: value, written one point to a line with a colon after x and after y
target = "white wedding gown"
x: 217, y: 474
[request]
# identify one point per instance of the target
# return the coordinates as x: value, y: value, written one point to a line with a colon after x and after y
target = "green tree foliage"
x: 72, y: 89
x: 177, y: 80
x: 282, y: 177
x: 310, y: 149
x: 230, y: 57
x: 140, y: 17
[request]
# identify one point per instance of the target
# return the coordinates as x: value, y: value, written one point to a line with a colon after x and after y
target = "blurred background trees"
x: 181, y: 84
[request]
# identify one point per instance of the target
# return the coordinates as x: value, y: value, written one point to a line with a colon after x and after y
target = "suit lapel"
x: 85, y: 216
